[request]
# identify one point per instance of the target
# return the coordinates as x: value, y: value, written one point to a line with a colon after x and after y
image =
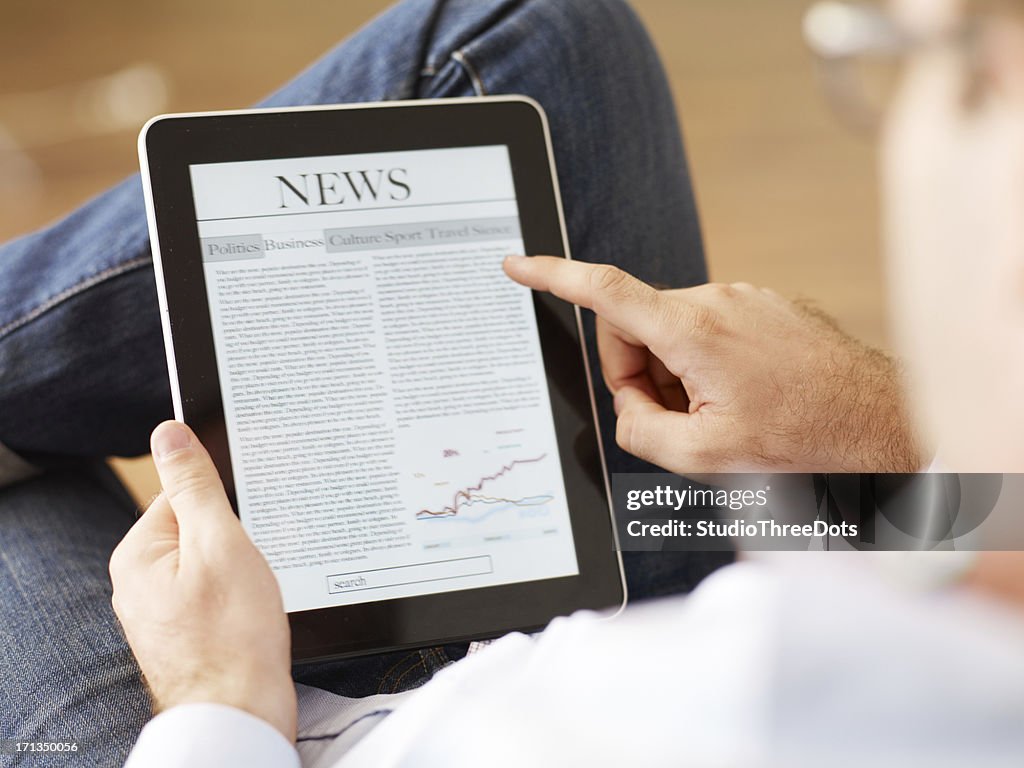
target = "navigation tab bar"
x: 426, y: 233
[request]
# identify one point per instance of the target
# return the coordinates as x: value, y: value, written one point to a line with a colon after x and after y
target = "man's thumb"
x: 189, y: 478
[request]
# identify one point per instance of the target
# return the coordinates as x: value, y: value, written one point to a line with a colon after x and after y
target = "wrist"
x: 269, y: 698
x: 891, y: 442
x: 867, y: 425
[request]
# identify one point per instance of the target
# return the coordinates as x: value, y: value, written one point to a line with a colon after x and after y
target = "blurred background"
x: 787, y: 195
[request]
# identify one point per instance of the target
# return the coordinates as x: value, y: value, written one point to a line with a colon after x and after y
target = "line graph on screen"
x: 499, y: 491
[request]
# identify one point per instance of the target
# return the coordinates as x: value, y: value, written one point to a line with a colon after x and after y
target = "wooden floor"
x: 787, y: 196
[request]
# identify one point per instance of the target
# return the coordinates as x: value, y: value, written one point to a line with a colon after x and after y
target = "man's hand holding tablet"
x: 198, y: 602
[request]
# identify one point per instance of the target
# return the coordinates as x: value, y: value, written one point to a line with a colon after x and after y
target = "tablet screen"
x: 385, y: 398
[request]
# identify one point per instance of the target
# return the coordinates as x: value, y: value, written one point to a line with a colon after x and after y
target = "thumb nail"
x: 170, y: 437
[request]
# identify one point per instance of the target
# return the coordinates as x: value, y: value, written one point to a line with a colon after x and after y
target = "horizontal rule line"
x: 359, y: 210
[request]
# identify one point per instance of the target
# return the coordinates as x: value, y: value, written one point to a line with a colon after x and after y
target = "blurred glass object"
x: 860, y: 49
x: 117, y: 102
x: 122, y: 100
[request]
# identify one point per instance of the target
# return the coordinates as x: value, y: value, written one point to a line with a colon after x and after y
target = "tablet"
x: 408, y: 436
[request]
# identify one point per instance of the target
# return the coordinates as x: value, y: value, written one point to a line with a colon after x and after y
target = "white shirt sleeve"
x: 808, y: 663
x: 210, y: 736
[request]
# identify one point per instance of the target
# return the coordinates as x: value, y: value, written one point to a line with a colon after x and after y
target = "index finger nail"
x: 170, y: 437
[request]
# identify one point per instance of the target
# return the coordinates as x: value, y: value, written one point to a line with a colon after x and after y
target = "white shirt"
x: 812, y: 662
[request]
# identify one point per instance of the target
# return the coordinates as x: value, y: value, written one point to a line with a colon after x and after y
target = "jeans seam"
x: 433, y: 661
x: 460, y: 58
x: 494, y: 19
x: 55, y: 301
x: 419, y: 664
x: 386, y: 677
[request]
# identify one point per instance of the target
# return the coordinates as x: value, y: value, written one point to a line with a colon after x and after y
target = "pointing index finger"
x: 618, y: 297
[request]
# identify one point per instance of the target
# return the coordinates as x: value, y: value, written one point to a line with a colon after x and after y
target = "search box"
x: 439, y: 570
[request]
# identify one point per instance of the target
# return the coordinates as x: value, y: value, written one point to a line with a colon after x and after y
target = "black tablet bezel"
x: 168, y: 145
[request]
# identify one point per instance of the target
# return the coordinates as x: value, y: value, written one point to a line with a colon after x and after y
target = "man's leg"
x: 67, y: 673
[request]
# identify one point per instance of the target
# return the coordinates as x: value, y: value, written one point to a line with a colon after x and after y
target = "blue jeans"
x: 82, y: 368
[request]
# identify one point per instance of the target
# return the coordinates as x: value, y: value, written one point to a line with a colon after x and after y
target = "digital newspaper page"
x: 386, y: 404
